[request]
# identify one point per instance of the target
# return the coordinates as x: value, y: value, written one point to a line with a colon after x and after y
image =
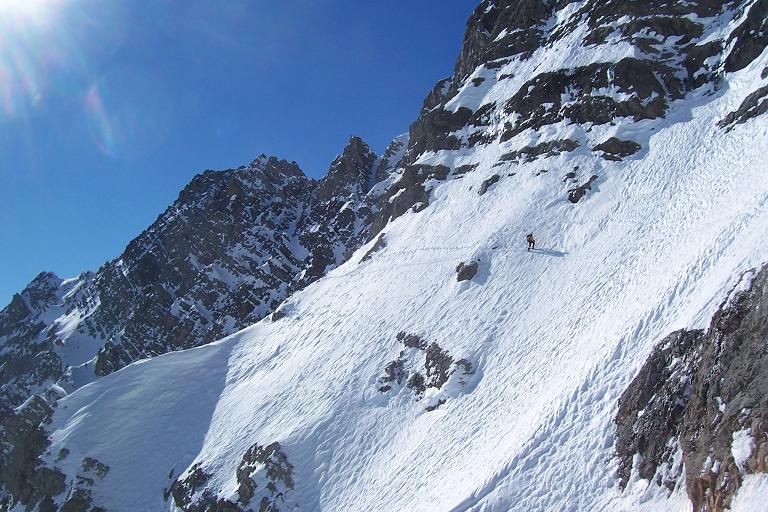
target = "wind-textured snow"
x: 554, y: 336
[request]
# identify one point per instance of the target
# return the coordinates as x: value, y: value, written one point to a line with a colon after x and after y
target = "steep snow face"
x: 552, y: 336
x: 627, y: 136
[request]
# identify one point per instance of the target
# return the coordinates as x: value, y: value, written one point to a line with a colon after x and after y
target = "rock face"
x: 224, y: 255
x: 25, y: 482
x: 486, y: 184
x: 427, y: 370
x: 531, y: 153
x: 575, y: 194
x: 673, y: 57
x: 700, y: 403
x: 754, y: 105
x: 264, y: 476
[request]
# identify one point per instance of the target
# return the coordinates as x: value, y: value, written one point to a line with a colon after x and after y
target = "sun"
x: 26, y: 11
x: 32, y: 40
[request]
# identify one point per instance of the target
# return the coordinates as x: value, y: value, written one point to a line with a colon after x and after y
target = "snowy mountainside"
x: 628, y: 136
x: 221, y: 257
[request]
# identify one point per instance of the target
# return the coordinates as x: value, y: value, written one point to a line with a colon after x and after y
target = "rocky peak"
x: 391, y: 157
x: 350, y: 172
x: 275, y: 167
x: 502, y: 28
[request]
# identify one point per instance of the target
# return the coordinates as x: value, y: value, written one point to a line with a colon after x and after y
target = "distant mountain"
x: 224, y: 255
x: 416, y: 356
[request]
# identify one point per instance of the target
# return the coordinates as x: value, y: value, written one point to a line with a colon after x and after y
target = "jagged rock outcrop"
x: 264, y: 476
x: 338, y: 213
x: 228, y: 251
x: 673, y: 57
x: 547, y: 149
x: 26, y: 482
x: 755, y: 104
x: 80, y: 496
x: 488, y: 183
x: 425, y: 369
x: 225, y: 254
x: 379, y: 244
x: 700, y: 403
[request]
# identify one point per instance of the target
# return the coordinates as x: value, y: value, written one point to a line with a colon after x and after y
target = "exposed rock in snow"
x: 379, y: 244
x: 466, y: 271
x: 617, y: 149
x: 706, y: 392
x: 756, y: 104
x: 427, y: 370
x: 531, y: 153
x: 575, y: 194
x: 486, y: 184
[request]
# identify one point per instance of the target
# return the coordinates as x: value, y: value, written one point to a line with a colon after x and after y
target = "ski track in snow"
x: 555, y: 335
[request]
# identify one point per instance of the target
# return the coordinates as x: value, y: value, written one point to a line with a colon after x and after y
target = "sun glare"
x: 31, y: 41
x: 25, y: 10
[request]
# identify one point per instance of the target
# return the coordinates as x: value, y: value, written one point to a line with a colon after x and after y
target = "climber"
x: 531, y: 241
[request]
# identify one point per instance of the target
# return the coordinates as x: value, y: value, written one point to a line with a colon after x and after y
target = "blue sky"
x: 107, y: 109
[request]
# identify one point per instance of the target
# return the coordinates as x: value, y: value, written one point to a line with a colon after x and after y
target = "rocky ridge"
x: 224, y: 255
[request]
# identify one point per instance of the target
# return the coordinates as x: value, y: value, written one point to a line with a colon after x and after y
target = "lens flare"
x: 32, y: 43
x: 102, y: 126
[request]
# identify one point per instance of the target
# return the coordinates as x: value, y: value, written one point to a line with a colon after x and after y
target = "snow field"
x: 555, y: 335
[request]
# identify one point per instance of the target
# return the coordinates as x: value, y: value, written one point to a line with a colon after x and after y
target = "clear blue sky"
x: 107, y: 109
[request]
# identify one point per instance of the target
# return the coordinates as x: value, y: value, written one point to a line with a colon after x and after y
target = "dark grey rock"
x: 80, y: 496
x: 411, y: 340
x: 695, y: 391
x: 466, y: 271
x: 547, y: 149
x: 754, y: 105
x: 278, y: 314
x: 575, y: 194
x: 539, y: 101
x: 381, y: 243
x: 652, y: 407
x: 26, y: 481
x: 264, y: 476
x: 417, y: 383
x: 394, y: 372
x: 278, y: 472
x: 486, y: 184
x: 406, y: 192
x: 438, y: 365
x: 617, y: 149
x: 749, y: 39
x: 433, y: 371
x: 464, y: 169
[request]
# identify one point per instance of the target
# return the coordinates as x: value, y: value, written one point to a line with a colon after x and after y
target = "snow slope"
x: 554, y: 336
